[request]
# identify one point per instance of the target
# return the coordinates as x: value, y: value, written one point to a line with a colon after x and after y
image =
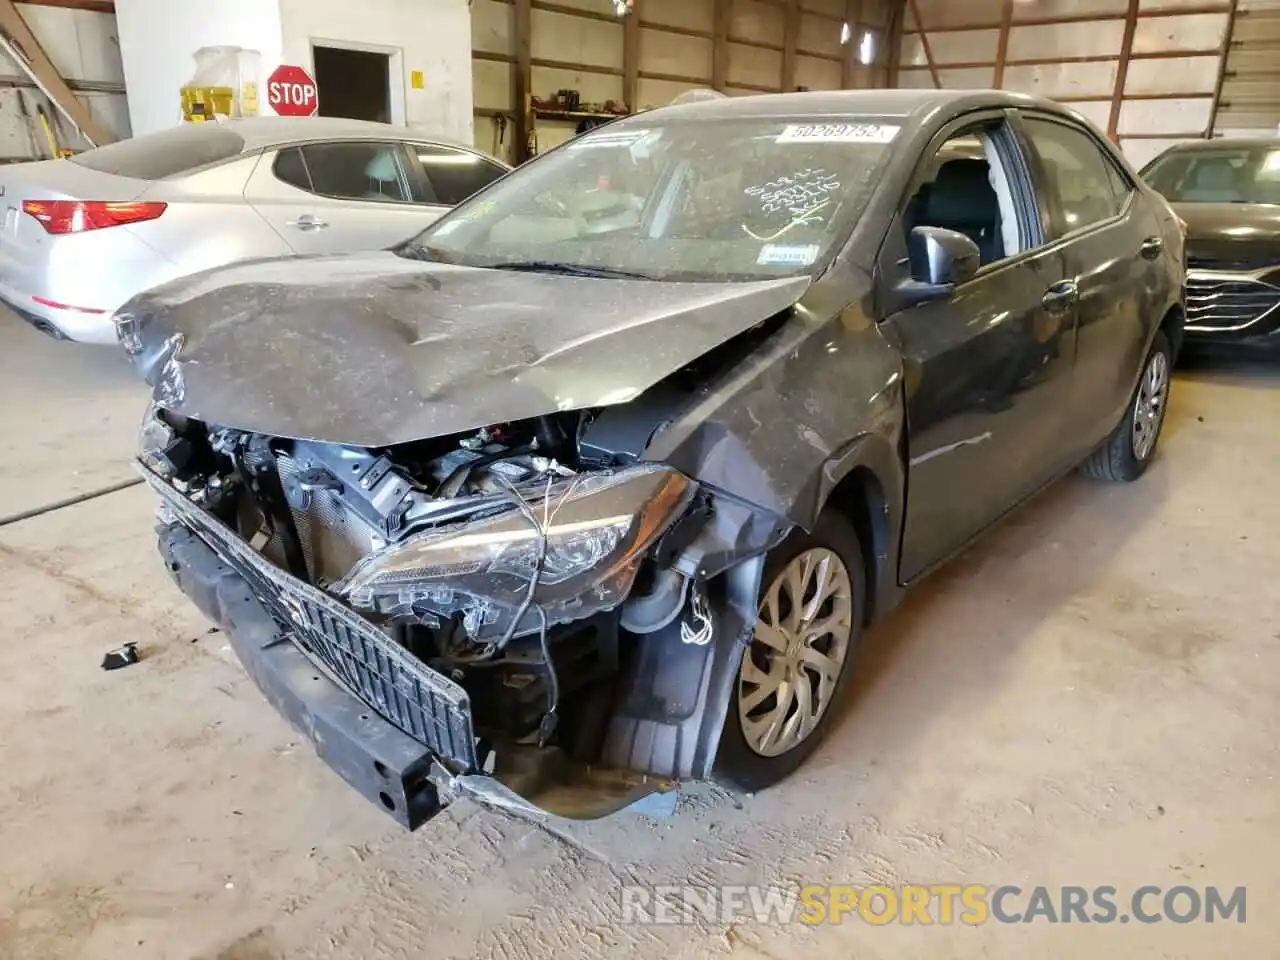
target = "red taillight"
x: 77, y: 216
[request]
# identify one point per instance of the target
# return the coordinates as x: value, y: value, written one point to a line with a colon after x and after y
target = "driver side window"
x: 967, y: 189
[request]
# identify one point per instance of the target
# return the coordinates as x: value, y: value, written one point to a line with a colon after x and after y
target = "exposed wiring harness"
x: 548, y: 725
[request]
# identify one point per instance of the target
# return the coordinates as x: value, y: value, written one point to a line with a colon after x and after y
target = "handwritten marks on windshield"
x: 802, y: 196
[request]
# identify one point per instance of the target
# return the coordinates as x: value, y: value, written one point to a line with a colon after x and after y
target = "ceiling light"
x: 845, y: 33
x: 867, y: 48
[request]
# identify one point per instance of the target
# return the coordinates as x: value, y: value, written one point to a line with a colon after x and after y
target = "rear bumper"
x: 69, y: 323
x: 388, y: 767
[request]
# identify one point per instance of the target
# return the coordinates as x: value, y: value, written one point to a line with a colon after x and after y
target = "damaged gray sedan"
x: 593, y: 487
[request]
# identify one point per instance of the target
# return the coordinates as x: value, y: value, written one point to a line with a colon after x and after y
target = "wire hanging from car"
x: 550, y: 718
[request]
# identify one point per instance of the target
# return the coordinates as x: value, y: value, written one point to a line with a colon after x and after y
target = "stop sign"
x: 291, y: 92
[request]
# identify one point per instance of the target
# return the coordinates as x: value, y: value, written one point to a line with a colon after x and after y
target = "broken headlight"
x: 155, y: 438
x: 596, y: 527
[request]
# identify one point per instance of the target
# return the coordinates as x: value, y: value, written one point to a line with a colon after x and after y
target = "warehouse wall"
x: 1144, y: 71
x: 432, y: 36
x: 1250, y: 103
x: 85, y: 49
x: 764, y: 46
x: 159, y: 37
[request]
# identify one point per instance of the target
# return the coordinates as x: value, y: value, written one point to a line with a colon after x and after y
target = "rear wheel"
x: 1130, y: 449
x: 798, y: 661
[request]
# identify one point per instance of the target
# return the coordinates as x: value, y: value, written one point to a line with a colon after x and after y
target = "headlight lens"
x: 597, y: 528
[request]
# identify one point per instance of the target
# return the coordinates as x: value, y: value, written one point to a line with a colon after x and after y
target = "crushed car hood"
x: 374, y: 349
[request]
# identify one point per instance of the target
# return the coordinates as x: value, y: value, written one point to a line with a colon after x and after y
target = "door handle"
x: 1151, y: 247
x: 1060, y: 297
x: 308, y: 222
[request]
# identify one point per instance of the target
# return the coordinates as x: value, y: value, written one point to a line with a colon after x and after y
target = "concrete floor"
x: 1091, y: 696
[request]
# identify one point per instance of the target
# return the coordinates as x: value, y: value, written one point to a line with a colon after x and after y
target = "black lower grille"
x: 1228, y: 303
x: 427, y: 705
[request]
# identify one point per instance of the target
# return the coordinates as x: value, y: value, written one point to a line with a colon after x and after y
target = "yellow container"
x: 201, y: 103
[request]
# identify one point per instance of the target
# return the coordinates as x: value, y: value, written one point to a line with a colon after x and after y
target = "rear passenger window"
x: 291, y: 168
x: 454, y: 175
x: 1077, y: 171
x: 356, y: 171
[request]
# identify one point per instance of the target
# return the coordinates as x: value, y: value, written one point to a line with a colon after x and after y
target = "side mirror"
x: 940, y: 259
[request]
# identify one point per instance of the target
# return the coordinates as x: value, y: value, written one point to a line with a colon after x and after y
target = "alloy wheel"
x: 789, y: 670
x: 1149, y: 405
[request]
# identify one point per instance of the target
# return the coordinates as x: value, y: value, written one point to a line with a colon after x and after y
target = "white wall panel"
x: 1145, y: 6
x: 159, y: 37
x: 675, y: 53
x: 756, y: 20
x: 958, y: 46
x: 1141, y: 152
x: 1097, y: 39
x: 818, y: 74
x: 1165, y: 116
x: 690, y: 14
x: 658, y: 93
x: 952, y: 13
x: 570, y: 39
x: 819, y: 35
x: 594, y: 87
x: 491, y: 84
x: 1046, y: 9
x: 1172, y: 75
x: 491, y: 26
x: 832, y: 8
x: 1202, y: 31
x: 82, y: 45
x: 973, y: 78
x: 1062, y: 80
x: 755, y: 65
x: 1095, y: 111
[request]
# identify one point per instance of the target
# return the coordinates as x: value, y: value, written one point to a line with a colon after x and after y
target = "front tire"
x: 798, y: 663
x: 1129, y: 450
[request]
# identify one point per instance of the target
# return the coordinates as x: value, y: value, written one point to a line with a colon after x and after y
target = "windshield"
x: 1247, y: 174
x: 674, y: 200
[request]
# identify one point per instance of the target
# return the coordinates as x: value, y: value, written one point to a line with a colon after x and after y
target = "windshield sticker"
x: 788, y: 254
x: 802, y: 196
x: 838, y: 133
x: 608, y: 138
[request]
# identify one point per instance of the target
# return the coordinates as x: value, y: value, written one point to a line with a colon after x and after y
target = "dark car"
x: 1228, y: 194
x: 595, y: 485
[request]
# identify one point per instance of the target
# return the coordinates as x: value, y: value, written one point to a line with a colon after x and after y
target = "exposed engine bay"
x: 507, y: 559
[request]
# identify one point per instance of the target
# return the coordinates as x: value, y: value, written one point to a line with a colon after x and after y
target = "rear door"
x: 1111, y: 242
x: 988, y: 370
x: 341, y: 196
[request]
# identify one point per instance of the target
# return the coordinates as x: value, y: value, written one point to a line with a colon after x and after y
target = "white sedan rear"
x: 81, y: 236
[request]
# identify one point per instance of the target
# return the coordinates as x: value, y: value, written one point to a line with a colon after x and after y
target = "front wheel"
x: 1130, y: 449
x: 797, y: 663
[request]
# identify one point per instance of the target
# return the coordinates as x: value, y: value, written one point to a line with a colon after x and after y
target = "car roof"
x: 263, y: 133
x: 908, y: 105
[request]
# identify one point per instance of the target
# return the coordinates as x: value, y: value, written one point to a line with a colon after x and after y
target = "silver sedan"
x: 81, y: 236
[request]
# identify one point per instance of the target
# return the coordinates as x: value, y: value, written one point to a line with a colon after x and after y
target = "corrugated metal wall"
x: 740, y: 46
x: 1144, y: 71
x: 1250, y: 102
x: 85, y: 49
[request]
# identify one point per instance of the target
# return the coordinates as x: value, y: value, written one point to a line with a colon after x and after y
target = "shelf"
x: 573, y: 116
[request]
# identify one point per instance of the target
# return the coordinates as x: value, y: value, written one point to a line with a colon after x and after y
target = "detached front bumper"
x: 390, y: 768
